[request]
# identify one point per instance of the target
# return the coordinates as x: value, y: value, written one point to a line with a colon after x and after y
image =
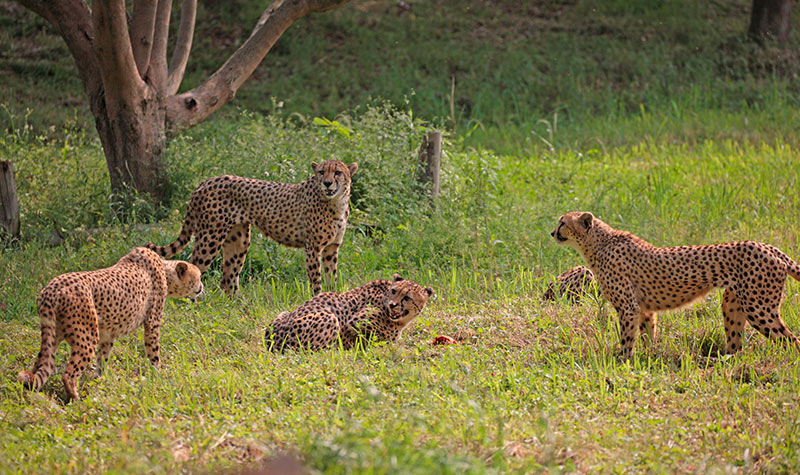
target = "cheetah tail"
x: 176, y: 246
x: 791, y: 265
x: 45, y: 361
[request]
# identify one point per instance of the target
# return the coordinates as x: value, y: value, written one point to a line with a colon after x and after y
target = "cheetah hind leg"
x: 234, y: 251
x: 734, y: 318
x: 765, y: 316
x: 82, y: 339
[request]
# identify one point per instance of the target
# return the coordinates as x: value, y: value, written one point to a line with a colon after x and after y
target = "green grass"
x: 530, y: 387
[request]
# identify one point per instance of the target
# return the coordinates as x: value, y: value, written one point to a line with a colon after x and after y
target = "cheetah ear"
x: 586, y: 219
x: 353, y: 167
x: 429, y: 291
x: 314, y: 166
x: 180, y: 269
x: 397, y: 278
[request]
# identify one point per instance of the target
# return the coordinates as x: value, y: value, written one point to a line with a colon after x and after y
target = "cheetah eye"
x: 406, y: 298
x: 337, y: 173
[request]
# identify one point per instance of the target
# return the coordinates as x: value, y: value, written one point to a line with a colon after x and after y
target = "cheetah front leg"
x: 330, y: 256
x: 313, y: 254
x: 234, y: 251
x: 622, y: 295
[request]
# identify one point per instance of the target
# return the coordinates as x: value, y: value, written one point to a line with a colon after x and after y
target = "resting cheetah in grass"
x: 311, y: 215
x: 640, y: 279
x: 572, y: 285
x: 380, y: 309
x: 92, y: 309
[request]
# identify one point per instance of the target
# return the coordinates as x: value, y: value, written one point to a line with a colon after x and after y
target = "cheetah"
x: 640, y: 279
x: 572, y: 285
x: 91, y: 309
x: 311, y: 215
x: 380, y: 309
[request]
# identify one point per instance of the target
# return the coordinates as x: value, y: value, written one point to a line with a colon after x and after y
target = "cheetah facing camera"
x: 92, y: 309
x: 572, y: 285
x: 640, y: 279
x: 311, y: 215
x: 380, y: 309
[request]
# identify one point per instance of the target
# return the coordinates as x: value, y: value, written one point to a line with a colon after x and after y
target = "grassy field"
x: 688, y: 136
x: 529, y: 387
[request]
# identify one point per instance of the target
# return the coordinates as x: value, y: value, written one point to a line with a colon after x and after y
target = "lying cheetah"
x: 572, y: 285
x: 92, y: 309
x: 312, y: 215
x: 380, y: 309
x: 640, y: 279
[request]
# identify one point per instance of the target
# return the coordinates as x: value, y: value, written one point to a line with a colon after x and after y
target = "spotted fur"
x: 640, y: 279
x: 311, y: 215
x: 380, y: 309
x: 572, y: 285
x: 92, y: 309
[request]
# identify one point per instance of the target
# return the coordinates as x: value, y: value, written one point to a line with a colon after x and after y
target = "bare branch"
x: 142, y: 27
x: 113, y: 48
x: 158, y: 58
x: 183, y: 46
x: 191, y: 107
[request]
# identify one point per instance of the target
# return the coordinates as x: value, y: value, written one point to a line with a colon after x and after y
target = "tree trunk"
x: 9, y: 204
x: 771, y: 19
x: 133, y: 142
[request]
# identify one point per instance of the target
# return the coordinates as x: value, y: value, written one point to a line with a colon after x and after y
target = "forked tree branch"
x: 158, y: 58
x: 142, y: 28
x: 191, y: 107
x: 121, y: 79
x: 183, y: 45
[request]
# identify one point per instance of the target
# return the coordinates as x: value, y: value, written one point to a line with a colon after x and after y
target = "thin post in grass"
x: 430, y: 159
x: 9, y: 204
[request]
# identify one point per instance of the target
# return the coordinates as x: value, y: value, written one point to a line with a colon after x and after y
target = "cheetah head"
x: 183, y: 279
x: 405, y: 300
x: 572, y: 227
x: 334, y: 177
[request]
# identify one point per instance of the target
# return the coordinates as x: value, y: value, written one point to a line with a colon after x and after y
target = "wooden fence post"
x: 430, y: 158
x: 9, y: 205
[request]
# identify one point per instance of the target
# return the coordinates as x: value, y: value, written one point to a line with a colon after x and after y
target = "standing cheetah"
x: 640, y: 279
x: 92, y: 309
x: 380, y: 309
x: 311, y: 215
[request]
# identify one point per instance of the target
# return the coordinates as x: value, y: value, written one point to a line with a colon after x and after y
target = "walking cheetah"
x: 380, y: 309
x: 640, y: 279
x: 92, y: 309
x: 572, y: 285
x: 311, y: 215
